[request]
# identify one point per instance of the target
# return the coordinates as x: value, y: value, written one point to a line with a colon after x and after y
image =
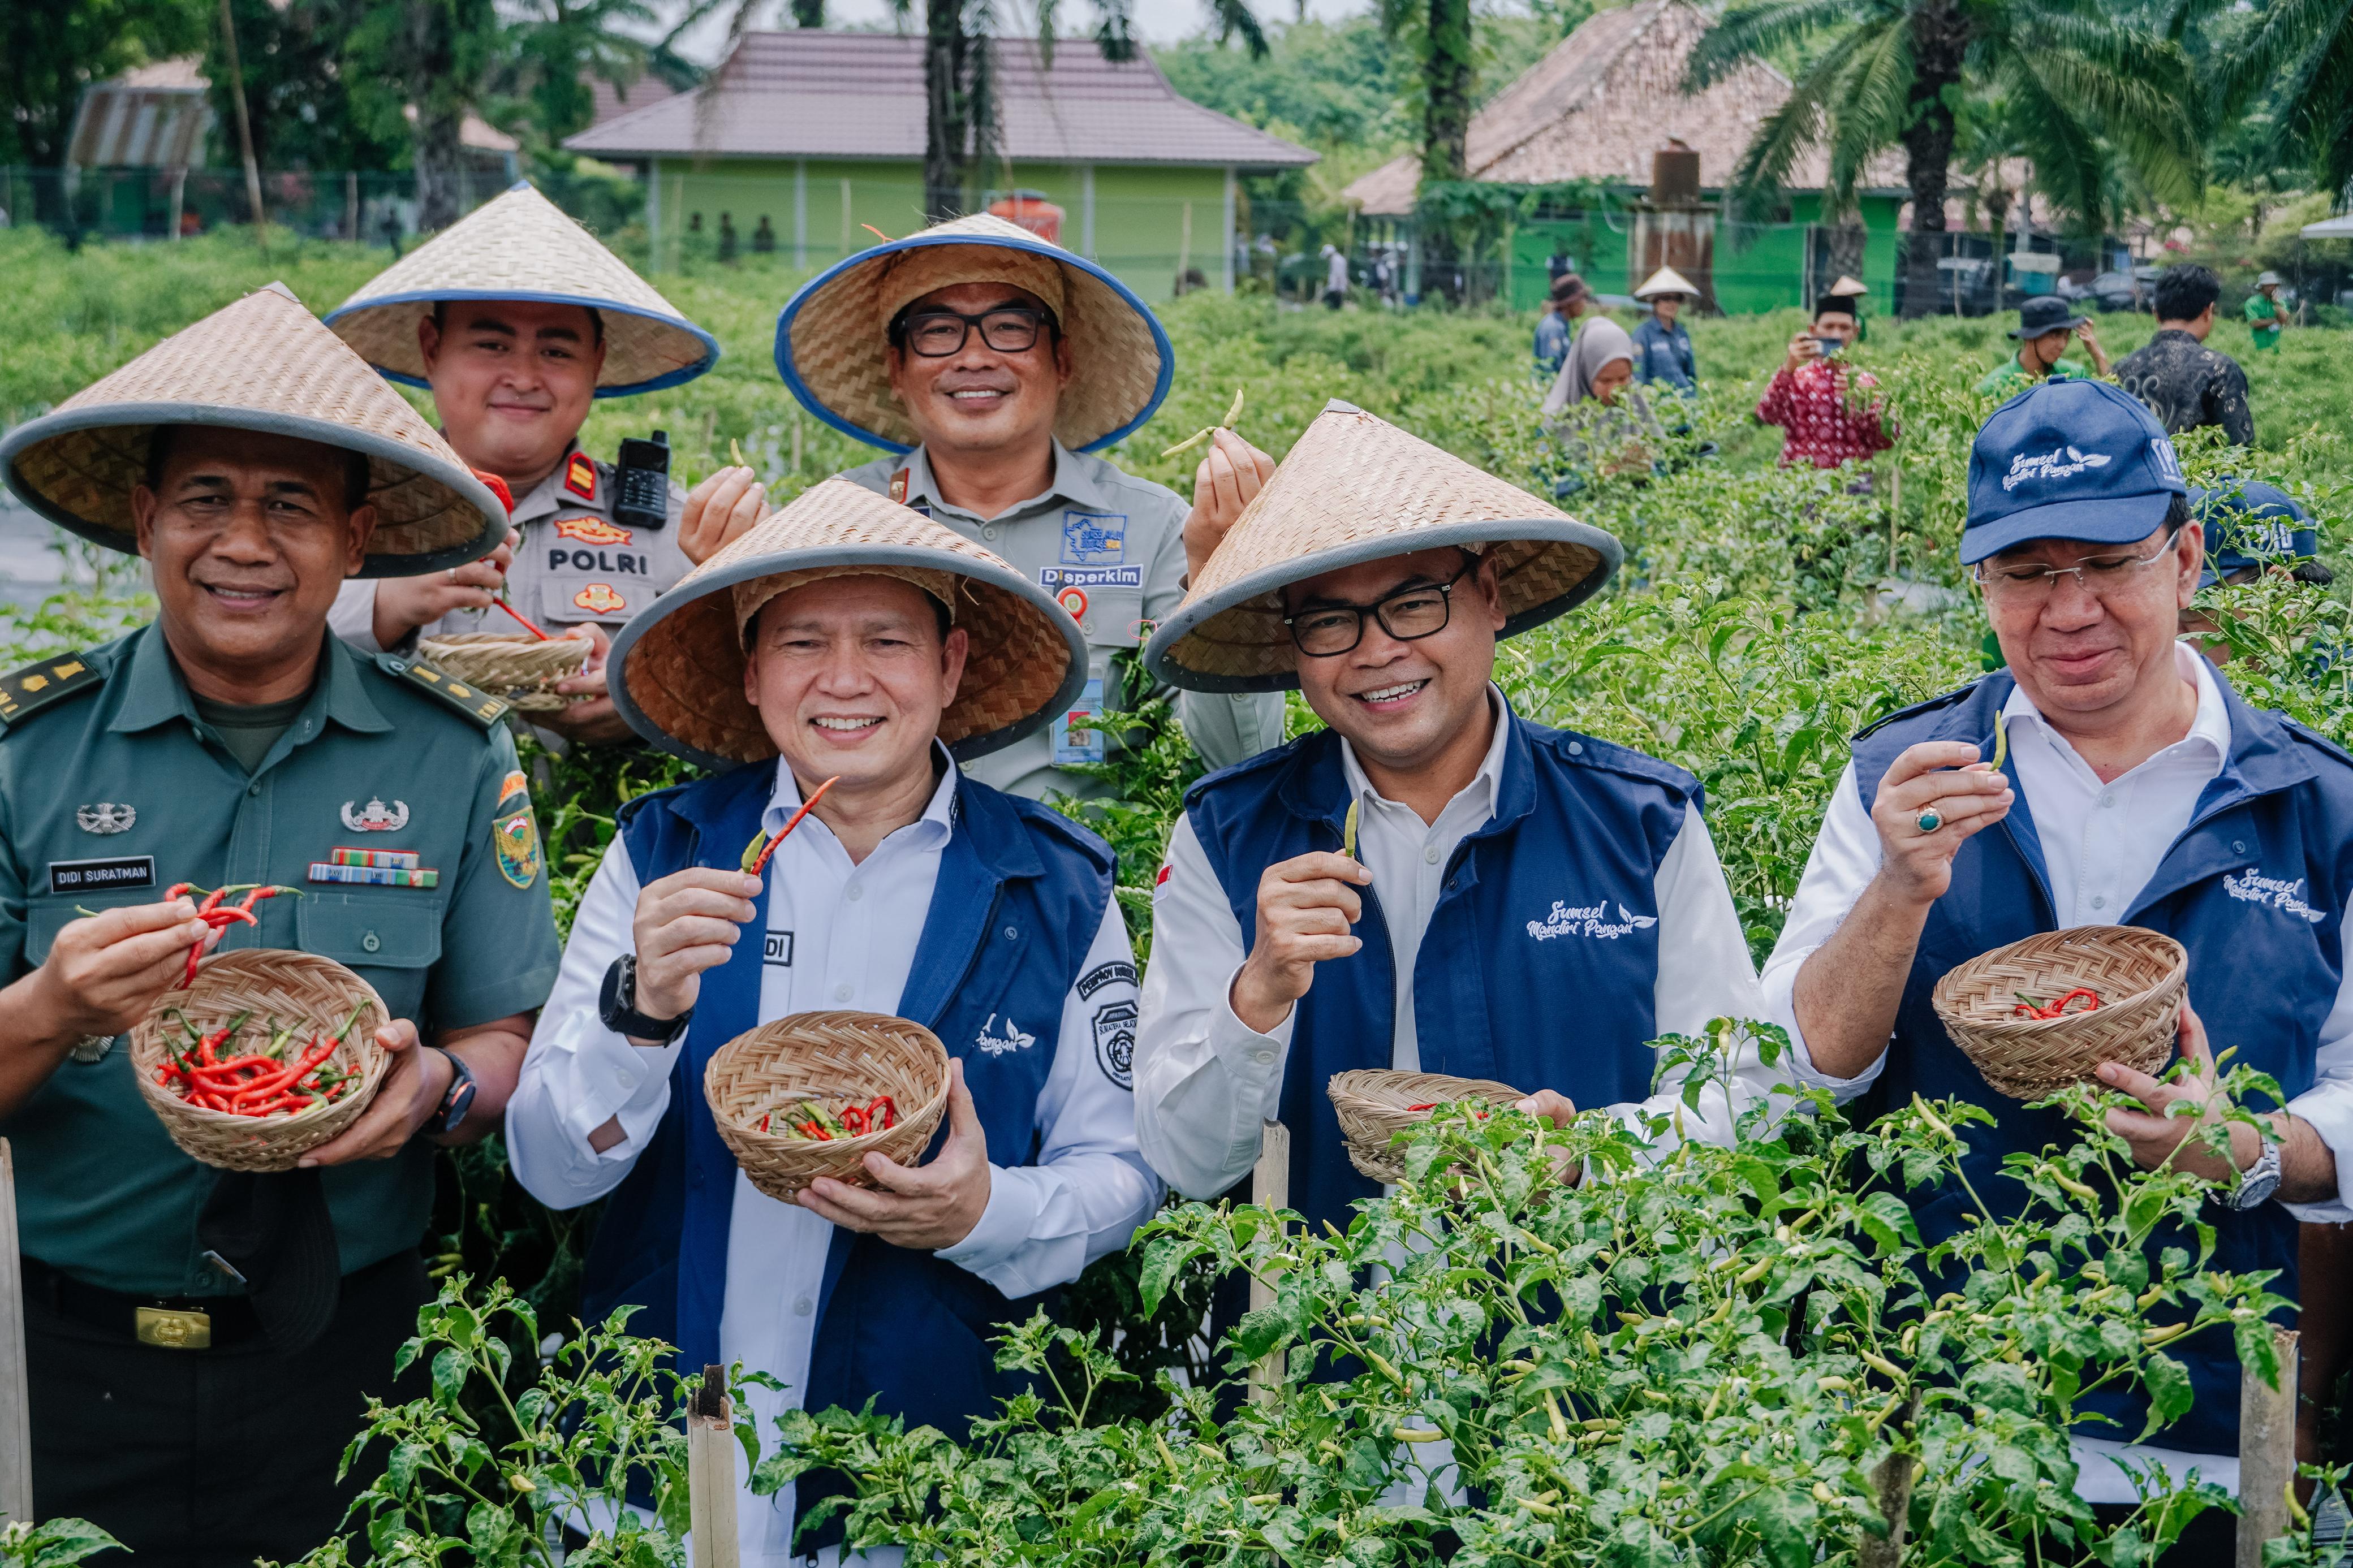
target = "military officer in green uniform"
x: 517, y: 319
x: 203, y: 1342
x: 993, y: 364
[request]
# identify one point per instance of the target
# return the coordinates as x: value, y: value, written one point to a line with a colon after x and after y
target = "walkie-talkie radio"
x: 641, y: 489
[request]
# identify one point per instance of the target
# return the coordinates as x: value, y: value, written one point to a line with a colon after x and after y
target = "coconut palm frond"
x: 2070, y: 166
x: 1874, y: 99
x: 1748, y: 32
x: 1234, y: 18
x: 1804, y: 119
x: 2136, y: 88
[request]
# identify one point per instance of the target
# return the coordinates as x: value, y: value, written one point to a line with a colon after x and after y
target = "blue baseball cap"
x: 2073, y: 458
x: 2249, y: 523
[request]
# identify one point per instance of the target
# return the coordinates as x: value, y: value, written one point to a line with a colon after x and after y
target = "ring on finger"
x: 1929, y: 820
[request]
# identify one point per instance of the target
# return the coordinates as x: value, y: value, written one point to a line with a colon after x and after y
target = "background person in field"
x: 1830, y: 413
x: 1662, y: 345
x: 2181, y: 381
x: 2047, y: 328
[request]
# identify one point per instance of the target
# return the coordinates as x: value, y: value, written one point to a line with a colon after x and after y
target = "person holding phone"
x: 1833, y: 412
x: 514, y: 368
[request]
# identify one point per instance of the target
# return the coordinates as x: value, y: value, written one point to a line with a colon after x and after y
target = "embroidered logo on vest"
x: 1012, y: 1040
x: 1587, y: 919
x: 2280, y: 895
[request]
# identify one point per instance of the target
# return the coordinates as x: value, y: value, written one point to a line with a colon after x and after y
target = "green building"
x: 1596, y: 110
x: 803, y: 139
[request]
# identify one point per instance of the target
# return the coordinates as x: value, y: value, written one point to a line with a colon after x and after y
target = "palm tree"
x: 1438, y: 33
x: 2073, y: 78
x: 2304, y: 48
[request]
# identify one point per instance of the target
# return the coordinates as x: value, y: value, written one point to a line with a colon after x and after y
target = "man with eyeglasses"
x: 1423, y: 884
x: 2137, y: 789
x: 993, y: 364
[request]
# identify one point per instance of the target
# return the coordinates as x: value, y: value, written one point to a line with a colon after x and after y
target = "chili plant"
x: 1692, y: 1355
x: 52, y: 1543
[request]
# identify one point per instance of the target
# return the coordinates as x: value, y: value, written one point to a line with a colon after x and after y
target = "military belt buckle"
x: 175, y: 1331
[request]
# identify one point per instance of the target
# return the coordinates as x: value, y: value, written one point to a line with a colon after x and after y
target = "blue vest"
x: 1019, y: 898
x: 1536, y: 915
x: 2263, y: 974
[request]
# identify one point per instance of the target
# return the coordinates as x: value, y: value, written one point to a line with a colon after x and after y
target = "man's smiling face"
x: 850, y: 676
x: 249, y: 535
x: 512, y: 380
x: 980, y: 399
x: 1399, y: 702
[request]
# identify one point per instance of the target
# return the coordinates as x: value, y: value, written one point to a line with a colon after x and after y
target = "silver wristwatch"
x: 2259, y: 1181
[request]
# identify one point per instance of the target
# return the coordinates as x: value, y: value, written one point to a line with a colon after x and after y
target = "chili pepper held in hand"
x: 756, y: 853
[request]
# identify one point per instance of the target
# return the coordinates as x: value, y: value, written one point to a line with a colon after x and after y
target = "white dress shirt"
x: 1205, y: 1080
x: 840, y: 935
x: 2101, y: 844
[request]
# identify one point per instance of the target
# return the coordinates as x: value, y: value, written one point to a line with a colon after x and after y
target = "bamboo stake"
x: 244, y: 132
x: 710, y: 1473
x: 1270, y: 1187
x: 15, y: 1415
x: 2267, y: 1452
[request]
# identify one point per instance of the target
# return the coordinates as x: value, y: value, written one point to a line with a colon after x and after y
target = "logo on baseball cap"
x: 2075, y: 460
x: 2251, y: 523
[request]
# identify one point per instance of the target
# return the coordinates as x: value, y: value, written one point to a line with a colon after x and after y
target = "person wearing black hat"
x: 1815, y: 399
x: 2045, y: 324
x: 2136, y: 787
x: 1557, y: 328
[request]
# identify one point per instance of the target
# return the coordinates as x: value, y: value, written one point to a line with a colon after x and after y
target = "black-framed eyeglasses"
x: 1407, y: 615
x: 936, y: 334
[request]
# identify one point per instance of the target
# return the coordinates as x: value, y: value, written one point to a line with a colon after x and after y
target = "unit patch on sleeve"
x: 1115, y: 1042
x: 515, y: 836
x: 37, y: 686
x: 580, y: 476
x: 1103, y: 974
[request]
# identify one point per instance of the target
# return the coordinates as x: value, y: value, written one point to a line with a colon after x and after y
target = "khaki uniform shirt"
x: 112, y: 788
x: 573, y: 563
x: 1112, y: 548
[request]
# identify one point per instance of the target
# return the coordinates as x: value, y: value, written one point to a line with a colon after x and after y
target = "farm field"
x: 1763, y: 614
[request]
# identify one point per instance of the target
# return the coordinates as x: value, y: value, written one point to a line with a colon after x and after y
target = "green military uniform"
x: 112, y: 788
x: 1111, y: 548
x: 2010, y: 377
x: 573, y: 563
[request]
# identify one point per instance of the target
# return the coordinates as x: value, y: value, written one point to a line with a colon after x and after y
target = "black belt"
x: 171, y: 1322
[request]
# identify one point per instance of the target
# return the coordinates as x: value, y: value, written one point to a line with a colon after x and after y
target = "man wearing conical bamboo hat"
x: 1423, y: 885
x: 841, y: 658
x: 993, y: 366
x: 173, y: 1309
x: 518, y: 320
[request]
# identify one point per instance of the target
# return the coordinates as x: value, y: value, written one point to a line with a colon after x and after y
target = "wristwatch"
x: 458, y: 1099
x: 2259, y: 1181
x: 616, y: 1005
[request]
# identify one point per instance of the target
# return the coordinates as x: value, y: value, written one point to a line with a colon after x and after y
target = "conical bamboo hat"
x: 1358, y: 488
x: 262, y: 363
x: 831, y: 336
x: 522, y: 247
x: 1666, y: 280
x: 677, y: 669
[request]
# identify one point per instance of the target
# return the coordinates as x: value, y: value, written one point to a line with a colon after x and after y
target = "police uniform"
x: 1109, y: 547
x: 112, y: 788
x: 574, y: 564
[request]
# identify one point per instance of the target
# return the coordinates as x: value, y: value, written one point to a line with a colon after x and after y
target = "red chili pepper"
x: 1426, y: 1105
x: 211, y: 900
x: 256, y: 896
x: 888, y: 1108
x: 853, y: 1120
x: 761, y: 863
x: 2029, y: 1009
x: 176, y: 890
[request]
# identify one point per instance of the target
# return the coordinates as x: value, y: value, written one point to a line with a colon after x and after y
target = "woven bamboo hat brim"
x: 831, y: 336
x: 522, y: 247
x: 262, y: 363
x: 677, y: 669
x: 1357, y: 488
x: 1666, y: 280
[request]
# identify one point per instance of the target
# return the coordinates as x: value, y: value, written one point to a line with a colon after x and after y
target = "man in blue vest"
x: 1500, y: 867
x: 2138, y: 789
x: 847, y: 639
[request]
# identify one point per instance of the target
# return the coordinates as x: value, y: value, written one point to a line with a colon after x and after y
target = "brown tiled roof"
x: 810, y: 94
x: 1604, y: 99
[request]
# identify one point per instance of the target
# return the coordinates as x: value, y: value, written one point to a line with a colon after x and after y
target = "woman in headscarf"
x: 1613, y: 435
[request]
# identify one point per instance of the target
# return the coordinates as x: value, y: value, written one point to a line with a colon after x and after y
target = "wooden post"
x: 2267, y: 1452
x: 711, y: 1450
x: 1269, y: 1188
x: 1183, y: 260
x: 244, y: 130
x: 15, y: 1414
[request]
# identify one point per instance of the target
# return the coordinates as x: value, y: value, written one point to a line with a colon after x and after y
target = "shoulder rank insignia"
x: 580, y: 476
x: 37, y: 686
x: 480, y: 706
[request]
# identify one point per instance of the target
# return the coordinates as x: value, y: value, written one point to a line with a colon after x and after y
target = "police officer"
x: 203, y: 1342
x: 2138, y: 789
x: 992, y: 365
x: 517, y: 318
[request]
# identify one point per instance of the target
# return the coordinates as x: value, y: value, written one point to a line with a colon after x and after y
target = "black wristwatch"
x: 458, y: 1099
x: 617, y: 1004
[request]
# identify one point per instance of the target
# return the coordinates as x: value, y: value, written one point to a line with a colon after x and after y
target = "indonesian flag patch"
x: 580, y: 477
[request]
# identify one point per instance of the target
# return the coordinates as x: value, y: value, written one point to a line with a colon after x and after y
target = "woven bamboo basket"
x: 301, y: 991
x: 2138, y: 976
x: 522, y: 669
x: 833, y: 1058
x: 1372, y: 1106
